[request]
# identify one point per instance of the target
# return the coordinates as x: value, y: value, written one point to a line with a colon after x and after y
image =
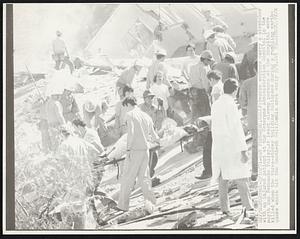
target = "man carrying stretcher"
x: 140, y: 134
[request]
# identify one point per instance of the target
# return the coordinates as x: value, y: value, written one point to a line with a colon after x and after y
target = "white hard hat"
x: 208, y: 33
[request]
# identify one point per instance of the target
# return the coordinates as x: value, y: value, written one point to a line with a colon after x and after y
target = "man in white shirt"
x: 200, y: 85
x: 60, y: 53
x: 140, y: 134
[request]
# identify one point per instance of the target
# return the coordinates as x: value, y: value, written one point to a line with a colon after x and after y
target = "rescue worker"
x: 220, y: 32
x: 69, y: 104
x: 44, y: 127
x: 192, y: 59
x: 157, y: 115
x: 218, y: 46
x: 120, y: 112
x: 200, y: 85
x: 229, y: 148
x: 227, y: 67
x: 140, y: 133
x: 127, y: 77
x: 246, y: 68
x: 60, y: 53
x: 215, y: 79
x: 158, y: 65
x: 75, y: 157
x: 248, y: 101
x: 88, y: 134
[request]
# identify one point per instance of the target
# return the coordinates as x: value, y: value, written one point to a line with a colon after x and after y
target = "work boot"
x: 155, y: 181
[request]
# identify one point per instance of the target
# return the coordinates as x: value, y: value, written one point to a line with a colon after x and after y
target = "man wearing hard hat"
x: 218, y: 46
x: 69, y: 104
x: 60, y: 53
x: 128, y: 75
x: 246, y: 68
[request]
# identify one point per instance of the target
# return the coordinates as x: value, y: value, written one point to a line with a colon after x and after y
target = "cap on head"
x: 218, y: 28
x: 148, y: 93
x: 58, y: 33
x: 209, y: 33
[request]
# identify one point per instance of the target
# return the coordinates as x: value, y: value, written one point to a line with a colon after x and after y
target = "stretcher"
x: 105, y: 161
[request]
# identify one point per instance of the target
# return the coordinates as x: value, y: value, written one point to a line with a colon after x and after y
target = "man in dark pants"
x: 207, y: 172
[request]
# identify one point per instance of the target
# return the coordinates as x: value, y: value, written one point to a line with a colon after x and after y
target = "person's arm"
x: 239, y: 139
x: 111, y: 118
x: 153, y: 134
x: 231, y: 41
x: 243, y: 100
x: 244, y: 68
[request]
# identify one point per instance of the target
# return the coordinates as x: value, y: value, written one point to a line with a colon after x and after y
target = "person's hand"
x: 160, y: 101
x: 244, y: 157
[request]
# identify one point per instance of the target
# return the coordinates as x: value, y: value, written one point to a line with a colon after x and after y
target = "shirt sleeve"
x: 130, y: 131
x: 59, y: 113
x: 236, y: 129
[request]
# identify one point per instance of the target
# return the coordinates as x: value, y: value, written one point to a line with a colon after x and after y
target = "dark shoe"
x: 155, y: 182
x: 203, y: 176
x: 254, y: 177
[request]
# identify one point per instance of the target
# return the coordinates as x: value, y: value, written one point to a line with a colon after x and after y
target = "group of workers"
x: 216, y: 91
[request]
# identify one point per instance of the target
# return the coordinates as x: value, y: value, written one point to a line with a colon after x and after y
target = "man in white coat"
x: 229, y: 148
